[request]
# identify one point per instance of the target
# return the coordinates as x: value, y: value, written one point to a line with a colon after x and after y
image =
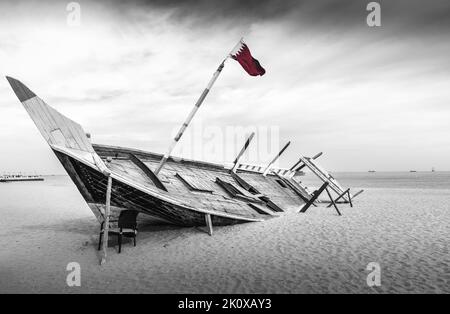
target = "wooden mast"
x: 194, y: 111
x: 275, y: 159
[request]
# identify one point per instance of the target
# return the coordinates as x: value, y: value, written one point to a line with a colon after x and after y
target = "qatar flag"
x: 243, y: 55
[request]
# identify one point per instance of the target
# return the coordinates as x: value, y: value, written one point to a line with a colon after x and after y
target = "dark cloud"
x: 409, y: 15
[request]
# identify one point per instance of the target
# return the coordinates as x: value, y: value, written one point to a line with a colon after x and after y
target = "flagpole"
x: 194, y: 111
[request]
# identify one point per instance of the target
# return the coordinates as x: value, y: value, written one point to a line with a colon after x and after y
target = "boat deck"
x: 203, y: 186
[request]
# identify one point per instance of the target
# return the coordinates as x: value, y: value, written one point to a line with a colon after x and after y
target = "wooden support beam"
x: 106, y: 223
x: 332, y: 202
x: 349, y: 197
x: 314, y: 197
x: 148, y: 172
x: 209, y: 224
x: 295, y: 165
x: 247, y: 143
x: 317, y: 155
x: 346, y: 192
x: 266, y: 171
x: 357, y: 194
x: 313, y: 158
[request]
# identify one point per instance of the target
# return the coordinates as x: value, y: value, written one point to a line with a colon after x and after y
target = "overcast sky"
x: 368, y: 97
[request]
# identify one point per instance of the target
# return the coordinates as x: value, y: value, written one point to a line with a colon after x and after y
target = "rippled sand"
x: 407, y: 231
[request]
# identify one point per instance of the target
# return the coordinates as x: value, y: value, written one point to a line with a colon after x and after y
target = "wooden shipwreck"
x: 184, y: 192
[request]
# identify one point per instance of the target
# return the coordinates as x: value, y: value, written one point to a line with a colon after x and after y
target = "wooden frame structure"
x: 315, y: 196
x: 326, y: 177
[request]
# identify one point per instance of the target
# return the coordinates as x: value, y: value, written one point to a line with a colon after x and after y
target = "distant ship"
x: 20, y: 177
x: 412, y: 171
x: 372, y: 171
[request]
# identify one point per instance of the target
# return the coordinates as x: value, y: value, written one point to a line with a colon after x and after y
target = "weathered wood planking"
x: 56, y: 128
x: 125, y: 196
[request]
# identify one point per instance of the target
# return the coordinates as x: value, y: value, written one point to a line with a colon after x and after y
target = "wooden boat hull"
x: 92, y: 186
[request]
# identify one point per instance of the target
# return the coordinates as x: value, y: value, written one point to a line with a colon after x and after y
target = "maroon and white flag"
x: 243, y: 55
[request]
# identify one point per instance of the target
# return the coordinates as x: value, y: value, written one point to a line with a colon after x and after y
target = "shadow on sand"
x: 149, y: 231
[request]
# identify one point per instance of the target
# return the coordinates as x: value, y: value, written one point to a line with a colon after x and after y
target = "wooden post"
x: 332, y: 202
x: 355, y: 195
x: 314, y: 197
x: 106, y: 223
x: 275, y: 159
x: 247, y: 143
x: 209, y: 224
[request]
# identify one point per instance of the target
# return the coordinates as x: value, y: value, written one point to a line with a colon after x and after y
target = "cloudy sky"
x: 369, y: 97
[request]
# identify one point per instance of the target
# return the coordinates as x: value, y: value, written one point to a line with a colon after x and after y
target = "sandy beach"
x: 45, y: 226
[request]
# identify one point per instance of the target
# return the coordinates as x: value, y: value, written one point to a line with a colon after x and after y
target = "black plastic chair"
x: 126, y: 227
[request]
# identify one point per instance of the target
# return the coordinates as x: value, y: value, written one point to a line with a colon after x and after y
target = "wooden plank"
x: 262, y: 210
x: 193, y: 183
x: 248, y: 187
x: 148, y: 172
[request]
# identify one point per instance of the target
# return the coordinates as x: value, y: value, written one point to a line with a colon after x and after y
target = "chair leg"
x: 120, y: 243
x: 100, y: 240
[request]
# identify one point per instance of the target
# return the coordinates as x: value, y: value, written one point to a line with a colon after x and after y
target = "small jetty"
x: 20, y: 177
